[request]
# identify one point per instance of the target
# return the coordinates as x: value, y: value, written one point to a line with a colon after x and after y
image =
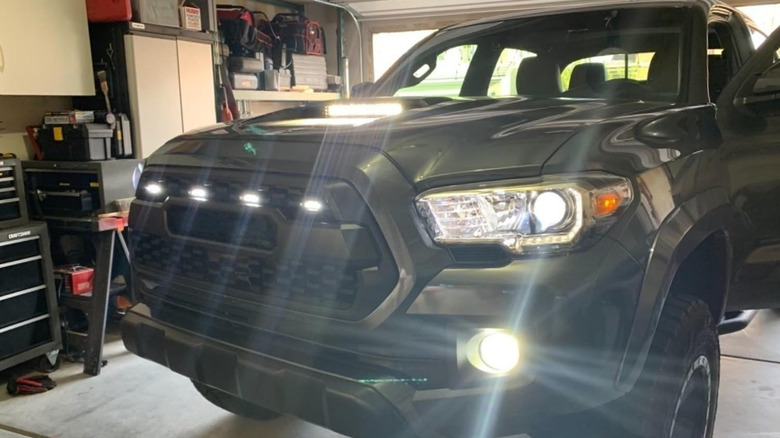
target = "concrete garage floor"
x: 136, y: 398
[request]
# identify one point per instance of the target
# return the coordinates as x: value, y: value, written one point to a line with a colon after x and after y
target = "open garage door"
x: 395, y: 9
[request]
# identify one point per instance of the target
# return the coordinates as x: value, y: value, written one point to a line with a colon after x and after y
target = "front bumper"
x: 341, y: 404
x: 350, y: 406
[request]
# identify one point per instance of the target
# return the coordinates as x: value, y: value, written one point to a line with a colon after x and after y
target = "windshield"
x: 631, y: 53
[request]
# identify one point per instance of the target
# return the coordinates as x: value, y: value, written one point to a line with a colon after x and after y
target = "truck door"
x: 749, y: 119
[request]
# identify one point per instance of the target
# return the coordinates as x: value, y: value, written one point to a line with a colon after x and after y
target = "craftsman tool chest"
x: 13, y: 208
x: 29, y: 322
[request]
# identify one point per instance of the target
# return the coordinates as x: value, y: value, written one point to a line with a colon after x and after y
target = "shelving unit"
x: 258, y: 102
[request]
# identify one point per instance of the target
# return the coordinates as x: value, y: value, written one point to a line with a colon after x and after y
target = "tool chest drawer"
x: 13, y: 206
x: 16, y: 276
x: 10, y: 210
x: 19, y: 249
x: 23, y: 305
x: 24, y: 336
x: 7, y: 177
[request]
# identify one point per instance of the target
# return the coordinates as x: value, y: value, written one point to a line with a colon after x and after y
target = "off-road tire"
x: 234, y: 404
x: 685, y: 355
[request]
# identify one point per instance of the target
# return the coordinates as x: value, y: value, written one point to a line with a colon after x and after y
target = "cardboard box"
x: 190, y: 18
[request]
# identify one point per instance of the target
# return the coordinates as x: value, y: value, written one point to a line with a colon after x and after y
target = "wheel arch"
x: 681, y: 247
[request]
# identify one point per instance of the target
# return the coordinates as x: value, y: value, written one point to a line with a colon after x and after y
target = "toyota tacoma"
x: 527, y: 217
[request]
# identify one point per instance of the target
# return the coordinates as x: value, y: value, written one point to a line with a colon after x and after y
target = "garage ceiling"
x: 395, y: 9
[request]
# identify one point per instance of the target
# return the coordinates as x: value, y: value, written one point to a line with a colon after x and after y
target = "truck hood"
x: 435, y: 142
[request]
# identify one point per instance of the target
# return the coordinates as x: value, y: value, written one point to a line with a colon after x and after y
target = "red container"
x: 109, y: 11
x: 76, y: 280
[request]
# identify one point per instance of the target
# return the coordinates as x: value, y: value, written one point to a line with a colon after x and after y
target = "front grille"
x: 287, y: 199
x: 238, y: 228
x: 246, y: 275
x: 227, y: 256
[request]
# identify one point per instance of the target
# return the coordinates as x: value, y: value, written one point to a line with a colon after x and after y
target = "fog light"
x: 494, y: 351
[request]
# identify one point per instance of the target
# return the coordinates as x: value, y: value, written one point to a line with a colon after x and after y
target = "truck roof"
x: 557, y: 8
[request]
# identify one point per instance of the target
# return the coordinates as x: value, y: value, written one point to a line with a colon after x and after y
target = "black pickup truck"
x: 527, y: 217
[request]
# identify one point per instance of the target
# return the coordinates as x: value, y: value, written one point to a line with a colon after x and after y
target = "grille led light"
x: 199, y: 194
x: 251, y: 199
x: 154, y: 189
x: 312, y: 205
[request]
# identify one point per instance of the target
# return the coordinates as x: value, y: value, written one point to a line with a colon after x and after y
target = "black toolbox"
x: 240, y: 64
x: 82, y: 142
x: 13, y: 207
x: 74, y: 189
x: 29, y: 321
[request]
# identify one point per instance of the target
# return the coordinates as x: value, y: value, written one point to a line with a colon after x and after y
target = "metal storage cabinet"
x: 29, y: 321
x: 13, y: 206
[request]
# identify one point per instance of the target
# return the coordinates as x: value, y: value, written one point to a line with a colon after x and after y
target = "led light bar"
x: 364, y: 110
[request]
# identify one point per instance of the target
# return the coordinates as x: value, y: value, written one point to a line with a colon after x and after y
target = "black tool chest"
x: 29, y: 325
x: 64, y: 188
x: 29, y: 322
x: 13, y: 207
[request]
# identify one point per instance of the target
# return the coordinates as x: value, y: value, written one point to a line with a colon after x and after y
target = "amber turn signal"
x: 607, y: 204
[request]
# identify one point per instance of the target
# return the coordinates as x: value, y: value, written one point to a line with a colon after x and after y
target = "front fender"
x: 684, y: 229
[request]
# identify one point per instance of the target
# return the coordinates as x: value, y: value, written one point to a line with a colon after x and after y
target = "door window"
x: 722, y: 59
x: 503, y: 82
x: 442, y: 76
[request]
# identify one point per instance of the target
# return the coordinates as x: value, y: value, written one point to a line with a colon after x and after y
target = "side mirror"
x: 363, y: 89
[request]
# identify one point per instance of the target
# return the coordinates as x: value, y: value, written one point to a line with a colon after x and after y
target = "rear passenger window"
x: 503, y: 83
x: 633, y: 66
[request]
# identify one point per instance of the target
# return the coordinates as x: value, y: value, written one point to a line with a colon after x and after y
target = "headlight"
x: 550, y: 216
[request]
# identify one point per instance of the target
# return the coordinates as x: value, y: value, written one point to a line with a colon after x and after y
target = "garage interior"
x: 88, y: 92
